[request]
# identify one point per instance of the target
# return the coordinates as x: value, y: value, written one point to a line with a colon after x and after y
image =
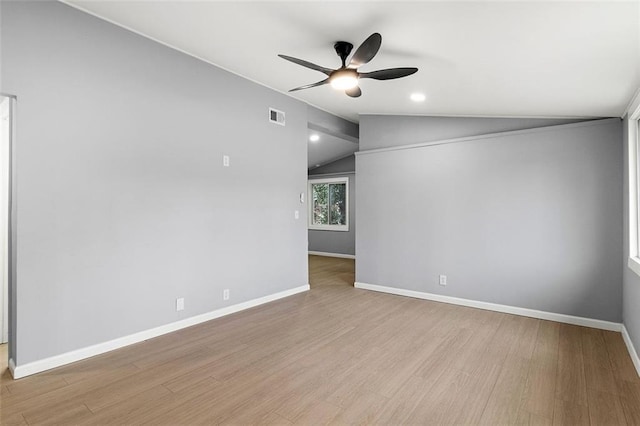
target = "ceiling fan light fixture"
x: 344, y: 79
x: 347, y: 76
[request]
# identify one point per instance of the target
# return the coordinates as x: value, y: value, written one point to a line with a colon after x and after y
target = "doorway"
x: 327, y: 271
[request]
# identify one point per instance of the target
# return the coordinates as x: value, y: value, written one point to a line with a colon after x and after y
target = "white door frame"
x: 7, y: 129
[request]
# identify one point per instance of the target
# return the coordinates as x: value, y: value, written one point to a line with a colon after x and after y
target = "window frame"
x: 633, y: 139
x: 315, y: 227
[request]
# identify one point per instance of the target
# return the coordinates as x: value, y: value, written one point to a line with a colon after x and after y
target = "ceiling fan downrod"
x: 343, y: 49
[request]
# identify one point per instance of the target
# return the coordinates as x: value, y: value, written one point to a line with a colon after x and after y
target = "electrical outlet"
x: 225, y: 160
x: 180, y: 304
x: 443, y: 280
x: 296, y: 214
x: 225, y: 294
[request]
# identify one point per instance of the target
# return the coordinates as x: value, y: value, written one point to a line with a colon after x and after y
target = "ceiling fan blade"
x: 307, y: 64
x: 366, y: 51
x: 309, y: 86
x: 389, y: 73
x: 354, y: 92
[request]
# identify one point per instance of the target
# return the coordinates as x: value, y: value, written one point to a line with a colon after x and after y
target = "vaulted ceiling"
x: 532, y: 59
x: 477, y: 58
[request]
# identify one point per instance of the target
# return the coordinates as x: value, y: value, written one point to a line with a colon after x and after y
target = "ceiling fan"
x: 346, y: 77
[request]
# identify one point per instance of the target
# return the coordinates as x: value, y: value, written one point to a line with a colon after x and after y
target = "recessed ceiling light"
x: 418, y: 97
x: 314, y: 138
x: 317, y: 165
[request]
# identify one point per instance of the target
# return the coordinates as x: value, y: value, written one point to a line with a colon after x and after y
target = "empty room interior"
x: 306, y: 212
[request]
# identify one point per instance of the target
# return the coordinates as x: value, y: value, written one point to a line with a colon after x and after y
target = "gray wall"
x: 337, y: 242
x: 123, y: 203
x: 378, y: 131
x: 344, y: 165
x: 631, y: 281
x: 325, y: 122
x: 530, y: 219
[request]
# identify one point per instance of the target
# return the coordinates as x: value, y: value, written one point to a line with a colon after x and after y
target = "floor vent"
x: 276, y: 116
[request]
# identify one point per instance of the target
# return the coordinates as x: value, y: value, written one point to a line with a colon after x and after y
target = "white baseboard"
x: 631, y: 349
x: 34, y: 367
x: 12, y: 367
x: 340, y: 255
x: 550, y: 316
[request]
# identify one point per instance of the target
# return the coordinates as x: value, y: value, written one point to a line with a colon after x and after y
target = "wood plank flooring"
x: 340, y: 355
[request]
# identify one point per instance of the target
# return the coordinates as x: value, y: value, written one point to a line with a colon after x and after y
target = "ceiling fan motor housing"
x: 343, y: 49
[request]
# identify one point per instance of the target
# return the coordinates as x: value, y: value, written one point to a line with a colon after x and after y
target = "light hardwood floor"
x: 4, y: 349
x: 341, y: 355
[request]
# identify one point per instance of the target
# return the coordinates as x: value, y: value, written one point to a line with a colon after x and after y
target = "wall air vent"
x: 276, y: 116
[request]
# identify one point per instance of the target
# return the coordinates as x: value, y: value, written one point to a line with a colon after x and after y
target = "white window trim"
x: 343, y: 228
x: 634, y: 182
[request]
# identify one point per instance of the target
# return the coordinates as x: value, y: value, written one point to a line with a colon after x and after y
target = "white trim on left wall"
x: 326, y: 254
x: 19, y: 371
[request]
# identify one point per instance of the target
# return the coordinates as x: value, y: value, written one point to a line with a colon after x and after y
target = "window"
x: 328, y: 201
x: 633, y: 133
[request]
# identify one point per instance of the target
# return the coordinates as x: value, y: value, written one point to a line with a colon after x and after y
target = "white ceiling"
x: 525, y: 59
